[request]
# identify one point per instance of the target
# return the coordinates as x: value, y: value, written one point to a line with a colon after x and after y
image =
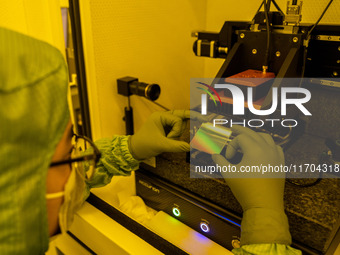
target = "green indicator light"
x: 176, y: 212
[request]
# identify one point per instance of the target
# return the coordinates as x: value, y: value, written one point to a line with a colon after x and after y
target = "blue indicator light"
x: 204, y: 226
x: 176, y: 211
x: 229, y: 220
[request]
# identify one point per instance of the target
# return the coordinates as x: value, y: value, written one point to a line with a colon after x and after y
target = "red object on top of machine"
x: 250, y: 78
x: 259, y: 81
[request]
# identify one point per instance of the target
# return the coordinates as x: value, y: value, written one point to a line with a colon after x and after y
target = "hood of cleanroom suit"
x: 33, y: 117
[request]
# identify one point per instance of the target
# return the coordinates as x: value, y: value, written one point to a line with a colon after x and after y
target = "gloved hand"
x: 159, y: 134
x: 261, y: 198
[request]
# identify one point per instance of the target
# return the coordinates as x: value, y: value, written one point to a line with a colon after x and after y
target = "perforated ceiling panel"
x: 312, y: 9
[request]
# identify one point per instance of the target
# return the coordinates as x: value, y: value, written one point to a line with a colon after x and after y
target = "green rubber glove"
x: 159, y: 134
x: 260, y: 195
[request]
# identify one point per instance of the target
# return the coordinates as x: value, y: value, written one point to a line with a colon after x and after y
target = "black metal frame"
x: 80, y: 67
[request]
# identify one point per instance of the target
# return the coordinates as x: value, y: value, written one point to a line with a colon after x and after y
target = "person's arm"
x: 264, y: 227
x: 122, y: 154
x: 116, y: 159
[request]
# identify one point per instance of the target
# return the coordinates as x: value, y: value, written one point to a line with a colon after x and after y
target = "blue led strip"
x: 227, y: 219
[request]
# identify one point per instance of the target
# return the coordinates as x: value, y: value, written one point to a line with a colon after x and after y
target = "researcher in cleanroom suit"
x: 45, y: 175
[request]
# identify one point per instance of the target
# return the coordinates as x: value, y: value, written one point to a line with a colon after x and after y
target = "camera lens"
x: 150, y: 91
